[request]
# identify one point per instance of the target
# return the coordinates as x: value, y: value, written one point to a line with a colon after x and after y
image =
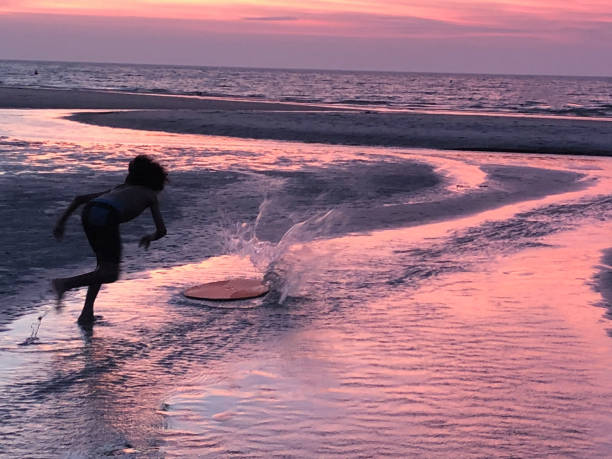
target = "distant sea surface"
x: 512, y: 94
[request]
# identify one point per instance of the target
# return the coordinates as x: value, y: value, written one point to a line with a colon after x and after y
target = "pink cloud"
x: 399, y: 24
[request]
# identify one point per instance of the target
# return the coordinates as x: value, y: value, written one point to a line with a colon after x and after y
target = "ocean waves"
x: 534, y: 95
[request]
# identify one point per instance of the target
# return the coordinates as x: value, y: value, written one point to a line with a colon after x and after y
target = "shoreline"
x: 39, y: 98
x: 320, y: 124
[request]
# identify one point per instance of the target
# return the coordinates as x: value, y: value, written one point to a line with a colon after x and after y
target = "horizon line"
x: 297, y: 69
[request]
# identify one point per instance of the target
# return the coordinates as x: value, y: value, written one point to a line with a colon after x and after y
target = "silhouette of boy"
x: 101, y: 216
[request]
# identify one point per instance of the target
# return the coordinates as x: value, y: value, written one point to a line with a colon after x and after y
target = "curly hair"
x: 145, y: 171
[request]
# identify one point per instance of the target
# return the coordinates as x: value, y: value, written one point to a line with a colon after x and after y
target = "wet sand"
x: 448, y: 302
x: 391, y: 129
x: 603, y: 282
x: 475, y: 183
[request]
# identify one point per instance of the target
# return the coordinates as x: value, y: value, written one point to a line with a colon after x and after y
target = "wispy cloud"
x: 413, y: 44
x: 271, y: 18
x: 546, y: 19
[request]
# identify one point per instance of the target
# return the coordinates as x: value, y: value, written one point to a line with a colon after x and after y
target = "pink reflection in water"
x: 498, y: 352
x: 466, y: 362
x: 65, y: 145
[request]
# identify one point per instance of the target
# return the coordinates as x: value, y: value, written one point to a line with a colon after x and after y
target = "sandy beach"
x: 318, y: 124
x: 422, y: 190
x: 452, y: 300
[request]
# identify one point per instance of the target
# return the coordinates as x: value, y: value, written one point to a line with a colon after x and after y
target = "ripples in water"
x: 538, y: 95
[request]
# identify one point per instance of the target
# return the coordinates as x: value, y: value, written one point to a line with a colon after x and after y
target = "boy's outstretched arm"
x: 58, y: 230
x: 160, y: 227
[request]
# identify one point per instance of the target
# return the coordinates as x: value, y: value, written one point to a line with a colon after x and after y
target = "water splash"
x: 33, y: 338
x: 290, y: 262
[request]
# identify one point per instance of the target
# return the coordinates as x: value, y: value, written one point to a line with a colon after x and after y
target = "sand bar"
x: 417, y: 130
x: 77, y: 99
x: 307, y: 123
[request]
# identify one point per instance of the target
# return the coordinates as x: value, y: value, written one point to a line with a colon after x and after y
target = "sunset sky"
x: 497, y: 36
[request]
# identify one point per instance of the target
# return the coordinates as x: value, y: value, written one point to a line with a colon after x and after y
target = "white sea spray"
x: 289, y: 263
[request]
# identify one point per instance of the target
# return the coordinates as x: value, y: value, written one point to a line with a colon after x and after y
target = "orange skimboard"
x: 227, y: 290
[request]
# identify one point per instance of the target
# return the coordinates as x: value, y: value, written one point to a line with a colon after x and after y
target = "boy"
x: 101, y: 216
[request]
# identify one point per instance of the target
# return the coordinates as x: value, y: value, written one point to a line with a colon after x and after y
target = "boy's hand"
x: 145, y: 241
x: 58, y: 231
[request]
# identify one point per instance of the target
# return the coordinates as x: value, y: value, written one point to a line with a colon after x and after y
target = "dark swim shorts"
x: 101, y: 225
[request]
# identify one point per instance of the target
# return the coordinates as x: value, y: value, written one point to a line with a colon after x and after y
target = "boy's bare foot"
x: 86, y: 320
x: 57, y: 285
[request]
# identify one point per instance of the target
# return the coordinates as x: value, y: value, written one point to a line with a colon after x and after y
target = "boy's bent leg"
x: 105, y: 273
x: 57, y: 285
x: 87, y: 315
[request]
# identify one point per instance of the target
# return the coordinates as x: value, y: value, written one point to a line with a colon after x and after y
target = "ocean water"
x: 424, y: 303
x: 535, y: 95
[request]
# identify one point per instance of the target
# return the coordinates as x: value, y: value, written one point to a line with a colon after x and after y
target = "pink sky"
x: 500, y: 36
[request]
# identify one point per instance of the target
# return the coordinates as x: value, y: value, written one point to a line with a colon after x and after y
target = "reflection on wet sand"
x: 421, y: 328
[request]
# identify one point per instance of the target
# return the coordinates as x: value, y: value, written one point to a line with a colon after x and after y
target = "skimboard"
x: 228, y: 290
